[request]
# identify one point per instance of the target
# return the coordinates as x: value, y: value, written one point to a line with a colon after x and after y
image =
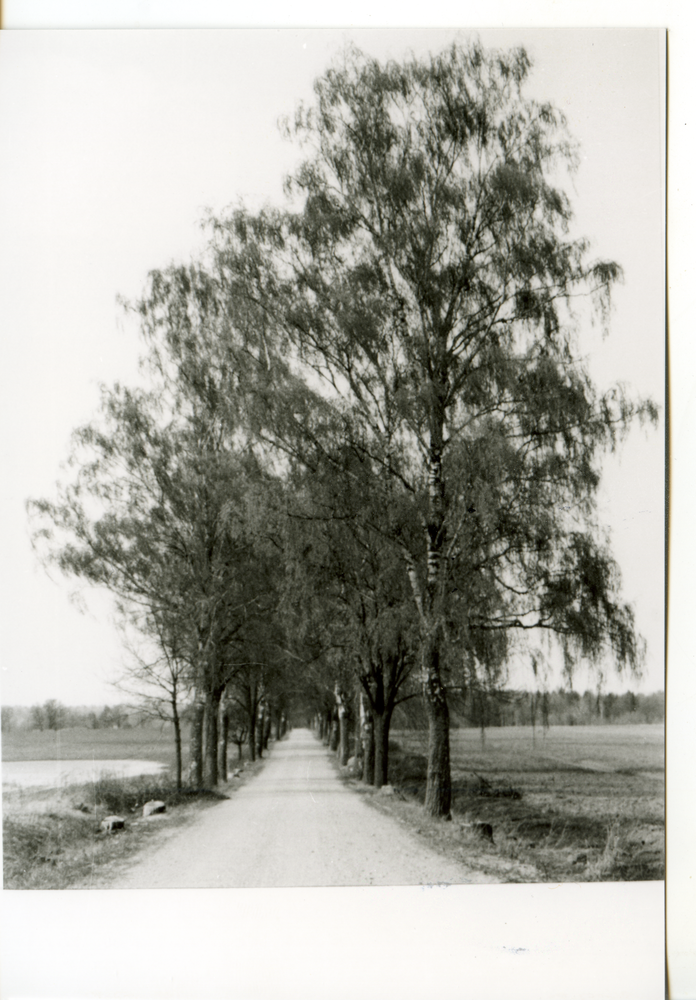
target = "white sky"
x: 111, y: 146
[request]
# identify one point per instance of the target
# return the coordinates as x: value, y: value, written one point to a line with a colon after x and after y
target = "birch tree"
x: 426, y: 284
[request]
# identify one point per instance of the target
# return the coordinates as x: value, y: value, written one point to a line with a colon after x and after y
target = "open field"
x: 574, y: 804
x: 142, y: 742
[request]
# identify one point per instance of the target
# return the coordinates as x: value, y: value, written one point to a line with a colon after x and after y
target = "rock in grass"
x: 112, y: 823
x: 482, y: 830
x: 153, y: 807
x: 386, y: 790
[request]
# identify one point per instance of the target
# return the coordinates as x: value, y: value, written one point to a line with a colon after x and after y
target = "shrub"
x: 126, y: 795
x: 34, y: 840
x: 408, y: 771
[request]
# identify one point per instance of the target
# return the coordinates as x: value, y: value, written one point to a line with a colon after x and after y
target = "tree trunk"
x: 344, y: 734
x: 438, y: 792
x: 358, y: 728
x: 196, y: 750
x: 251, y: 736
x: 223, y: 736
x: 177, y: 742
x: 334, y: 734
x: 267, y: 730
x: 212, y: 708
x: 382, y: 724
x: 260, y: 729
x: 378, y: 723
x: 368, y: 744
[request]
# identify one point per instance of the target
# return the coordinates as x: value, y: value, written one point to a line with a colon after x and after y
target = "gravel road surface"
x: 294, y: 824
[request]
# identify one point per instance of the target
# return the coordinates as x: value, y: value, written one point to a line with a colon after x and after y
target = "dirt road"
x: 295, y: 824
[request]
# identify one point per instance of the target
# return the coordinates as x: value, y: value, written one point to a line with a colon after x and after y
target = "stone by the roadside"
x: 111, y: 823
x: 153, y: 807
x: 353, y: 766
x: 386, y: 790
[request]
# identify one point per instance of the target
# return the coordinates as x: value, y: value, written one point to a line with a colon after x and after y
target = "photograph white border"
x: 590, y: 941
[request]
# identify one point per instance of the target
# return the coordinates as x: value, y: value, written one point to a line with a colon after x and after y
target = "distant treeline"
x: 477, y: 709
x: 482, y: 708
x: 54, y: 715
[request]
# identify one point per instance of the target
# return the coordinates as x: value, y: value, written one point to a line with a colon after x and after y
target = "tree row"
x: 365, y: 462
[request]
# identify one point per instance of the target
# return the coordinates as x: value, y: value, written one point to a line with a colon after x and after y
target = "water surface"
x: 58, y: 773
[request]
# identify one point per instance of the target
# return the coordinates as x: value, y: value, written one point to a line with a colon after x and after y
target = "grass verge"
x: 529, y: 819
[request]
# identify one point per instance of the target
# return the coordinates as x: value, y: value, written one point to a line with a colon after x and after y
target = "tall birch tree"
x: 427, y: 285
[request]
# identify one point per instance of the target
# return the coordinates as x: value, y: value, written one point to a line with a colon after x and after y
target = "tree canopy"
x: 428, y: 285
x: 395, y: 353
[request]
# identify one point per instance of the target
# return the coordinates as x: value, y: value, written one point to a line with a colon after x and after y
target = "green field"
x: 518, y: 750
x: 142, y: 742
x: 579, y: 802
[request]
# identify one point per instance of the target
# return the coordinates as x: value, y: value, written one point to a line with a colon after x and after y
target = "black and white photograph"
x: 334, y: 484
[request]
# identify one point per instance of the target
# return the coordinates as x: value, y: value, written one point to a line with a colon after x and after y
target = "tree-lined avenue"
x: 295, y: 824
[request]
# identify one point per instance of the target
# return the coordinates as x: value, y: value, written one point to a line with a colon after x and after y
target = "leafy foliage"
x: 372, y: 440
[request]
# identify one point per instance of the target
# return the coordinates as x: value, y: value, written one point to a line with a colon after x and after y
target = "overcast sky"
x: 111, y: 147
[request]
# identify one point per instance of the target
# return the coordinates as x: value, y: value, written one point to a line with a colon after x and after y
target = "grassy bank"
x: 52, y: 839
x: 572, y: 805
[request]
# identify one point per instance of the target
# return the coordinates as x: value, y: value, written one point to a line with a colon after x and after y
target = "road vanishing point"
x: 297, y: 824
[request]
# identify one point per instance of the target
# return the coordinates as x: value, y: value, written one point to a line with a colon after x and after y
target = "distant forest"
x: 569, y: 708
x: 54, y: 715
x: 482, y: 708
x: 477, y: 709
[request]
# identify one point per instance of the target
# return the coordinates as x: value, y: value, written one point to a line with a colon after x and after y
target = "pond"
x: 59, y: 773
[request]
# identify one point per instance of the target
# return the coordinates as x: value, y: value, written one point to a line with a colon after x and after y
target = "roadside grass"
x: 52, y: 838
x: 574, y: 805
